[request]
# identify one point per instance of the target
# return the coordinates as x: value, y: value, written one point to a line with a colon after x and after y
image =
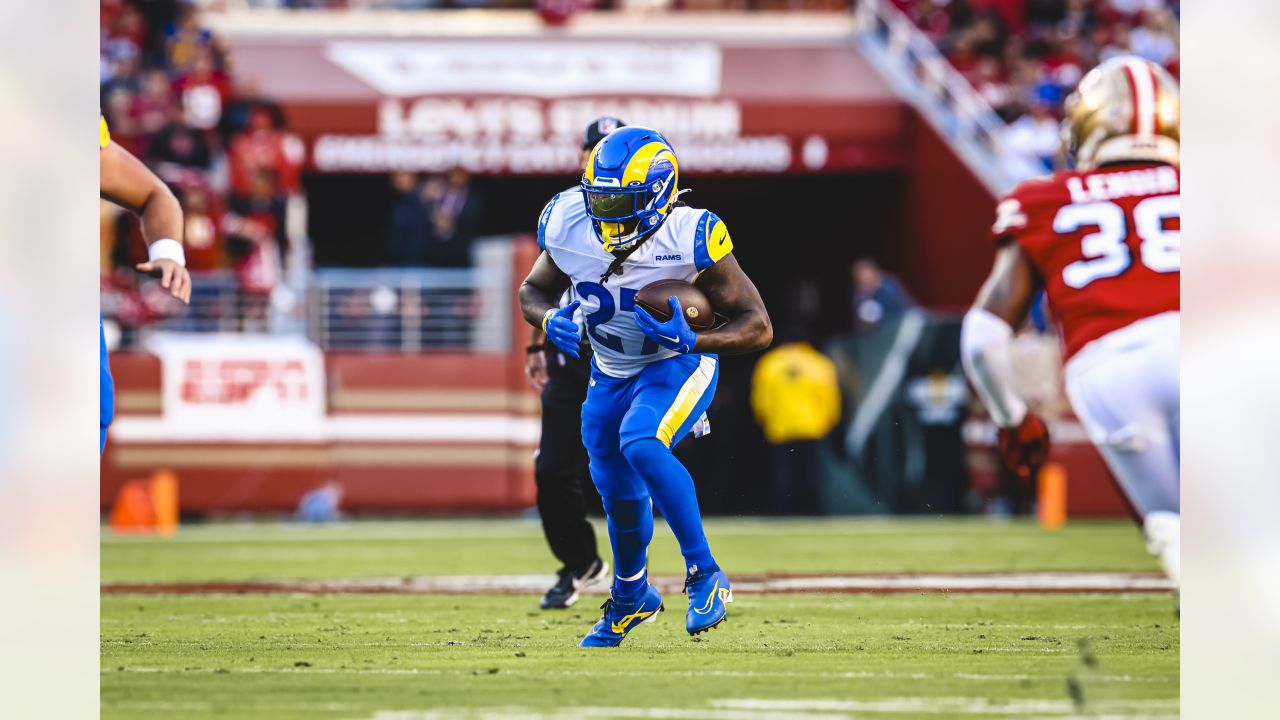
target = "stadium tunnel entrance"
x: 790, y: 232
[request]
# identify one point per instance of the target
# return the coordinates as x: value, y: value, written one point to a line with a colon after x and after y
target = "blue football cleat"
x: 621, y: 617
x: 708, y: 593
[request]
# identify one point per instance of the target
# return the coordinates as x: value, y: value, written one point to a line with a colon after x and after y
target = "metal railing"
x: 415, y: 309
x: 348, y: 309
x: 217, y: 305
x: 924, y: 77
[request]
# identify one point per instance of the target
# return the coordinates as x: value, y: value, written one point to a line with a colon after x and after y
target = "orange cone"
x: 164, y: 501
x: 145, y: 506
x: 1051, y: 496
x: 132, y: 509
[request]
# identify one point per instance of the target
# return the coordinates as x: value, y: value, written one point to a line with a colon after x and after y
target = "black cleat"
x: 569, y: 582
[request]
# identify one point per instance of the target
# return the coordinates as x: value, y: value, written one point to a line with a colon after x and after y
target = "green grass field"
x: 807, y: 656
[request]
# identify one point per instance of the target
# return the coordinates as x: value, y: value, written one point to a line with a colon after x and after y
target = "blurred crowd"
x: 433, y: 220
x: 171, y: 96
x: 1024, y: 56
x: 556, y: 6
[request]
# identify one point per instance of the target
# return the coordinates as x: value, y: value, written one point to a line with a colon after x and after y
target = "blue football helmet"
x: 629, y: 185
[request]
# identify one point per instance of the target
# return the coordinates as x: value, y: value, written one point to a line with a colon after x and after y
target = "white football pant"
x: 1124, y: 390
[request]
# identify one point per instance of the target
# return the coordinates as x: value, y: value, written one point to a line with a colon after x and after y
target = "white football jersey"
x: 688, y: 242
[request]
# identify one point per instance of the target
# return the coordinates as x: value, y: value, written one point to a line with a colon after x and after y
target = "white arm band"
x: 986, y: 349
x: 167, y: 249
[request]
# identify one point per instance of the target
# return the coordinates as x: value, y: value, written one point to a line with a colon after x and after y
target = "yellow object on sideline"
x: 795, y: 394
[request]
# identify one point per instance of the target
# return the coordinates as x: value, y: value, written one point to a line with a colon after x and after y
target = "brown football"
x: 697, y: 309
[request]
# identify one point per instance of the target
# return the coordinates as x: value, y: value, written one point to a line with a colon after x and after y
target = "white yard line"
x: 1028, y: 582
x: 573, y: 713
x: 954, y: 530
x: 757, y: 674
x: 962, y: 705
x: 759, y: 709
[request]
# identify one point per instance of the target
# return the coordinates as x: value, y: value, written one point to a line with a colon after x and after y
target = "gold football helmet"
x: 1125, y: 109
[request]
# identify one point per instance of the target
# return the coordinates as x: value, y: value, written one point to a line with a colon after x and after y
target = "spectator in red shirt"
x: 121, y: 22
x: 153, y: 106
x: 262, y: 147
x: 203, y: 233
x: 204, y: 91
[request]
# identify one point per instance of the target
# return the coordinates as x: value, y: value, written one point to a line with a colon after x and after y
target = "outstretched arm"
x: 733, y: 294
x: 986, y: 338
x: 125, y: 181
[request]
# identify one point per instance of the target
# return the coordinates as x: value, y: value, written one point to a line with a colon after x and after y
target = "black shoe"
x: 569, y: 582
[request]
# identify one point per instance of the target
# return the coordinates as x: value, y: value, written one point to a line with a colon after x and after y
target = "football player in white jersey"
x: 650, y: 380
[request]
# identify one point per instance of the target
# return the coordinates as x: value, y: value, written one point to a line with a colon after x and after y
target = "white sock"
x: 1164, y: 532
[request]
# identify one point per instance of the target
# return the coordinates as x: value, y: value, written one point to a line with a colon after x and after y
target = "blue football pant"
x: 628, y: 428
x: 106, y: 392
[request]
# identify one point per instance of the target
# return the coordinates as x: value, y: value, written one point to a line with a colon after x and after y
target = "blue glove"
x: 674, y: 334
x: 561, y: 330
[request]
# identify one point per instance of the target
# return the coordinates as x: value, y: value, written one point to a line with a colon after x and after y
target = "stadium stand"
x: 1023, y: 56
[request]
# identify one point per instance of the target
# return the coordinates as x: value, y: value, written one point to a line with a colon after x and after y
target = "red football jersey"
x: 1106, y: 244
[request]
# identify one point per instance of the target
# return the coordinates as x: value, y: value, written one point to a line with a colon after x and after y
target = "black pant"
x: 797, y: 478
x: 565, y: 489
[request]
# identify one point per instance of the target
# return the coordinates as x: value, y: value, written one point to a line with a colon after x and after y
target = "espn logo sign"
x: 242, y: 388
x: 235, y: 380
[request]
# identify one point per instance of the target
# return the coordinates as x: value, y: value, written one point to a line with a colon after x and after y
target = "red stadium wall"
x: 944, y: 255
x: 448, y: 432
x: 493, y: 472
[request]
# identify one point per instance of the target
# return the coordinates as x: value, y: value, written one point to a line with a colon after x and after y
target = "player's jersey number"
x: 1106, y: 254
x: 626, y: 303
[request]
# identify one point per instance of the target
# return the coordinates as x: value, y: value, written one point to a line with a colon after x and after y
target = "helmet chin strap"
x: 615, y: 267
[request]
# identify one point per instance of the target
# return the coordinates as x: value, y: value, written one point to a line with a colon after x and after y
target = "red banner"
x: 519, y: 106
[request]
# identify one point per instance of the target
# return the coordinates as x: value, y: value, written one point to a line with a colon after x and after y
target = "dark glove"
x: 1025, y: 447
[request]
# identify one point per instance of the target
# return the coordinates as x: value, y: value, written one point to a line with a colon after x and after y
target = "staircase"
x: 922, y: 76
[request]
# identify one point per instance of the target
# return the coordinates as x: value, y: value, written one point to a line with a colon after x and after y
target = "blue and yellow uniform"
x: 643, y: 396
x: 106, y: 387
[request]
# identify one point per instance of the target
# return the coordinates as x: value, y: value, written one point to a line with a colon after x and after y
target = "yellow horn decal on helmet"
x: 637, y: 170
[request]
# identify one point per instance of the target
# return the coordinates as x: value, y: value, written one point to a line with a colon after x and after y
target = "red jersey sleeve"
x: 1016, y: 212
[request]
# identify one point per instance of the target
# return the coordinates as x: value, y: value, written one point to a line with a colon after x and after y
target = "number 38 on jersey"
x: 1106, y: 243
x: 1106, y: 250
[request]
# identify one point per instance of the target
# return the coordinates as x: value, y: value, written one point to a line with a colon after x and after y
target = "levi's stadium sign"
x: 518, y: 105
x: 539, y: 136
